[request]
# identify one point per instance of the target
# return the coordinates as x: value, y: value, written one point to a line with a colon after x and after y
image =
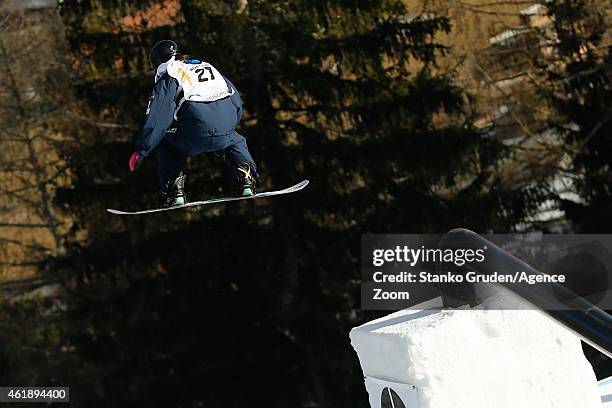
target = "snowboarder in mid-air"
x: 193, y: 109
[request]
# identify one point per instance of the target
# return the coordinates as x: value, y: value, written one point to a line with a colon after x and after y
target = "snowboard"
x: 295, y: 188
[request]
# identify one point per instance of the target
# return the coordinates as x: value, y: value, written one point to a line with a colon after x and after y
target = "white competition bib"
x: 199, y: 82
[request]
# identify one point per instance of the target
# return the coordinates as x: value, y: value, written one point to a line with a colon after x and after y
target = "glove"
x: 135, y: 161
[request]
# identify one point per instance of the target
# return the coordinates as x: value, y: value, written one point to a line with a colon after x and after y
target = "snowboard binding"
x: 173, y: 192
x: 244, y: 182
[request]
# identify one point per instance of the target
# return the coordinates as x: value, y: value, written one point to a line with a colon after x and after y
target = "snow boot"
x: 244, y: 180
x: 173, y: 192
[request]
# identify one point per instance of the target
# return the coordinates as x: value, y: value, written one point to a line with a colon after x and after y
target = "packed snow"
x: 605, y: 389
x: 478, y: 358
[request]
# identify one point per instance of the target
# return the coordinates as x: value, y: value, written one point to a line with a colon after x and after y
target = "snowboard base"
x: 295, y: 188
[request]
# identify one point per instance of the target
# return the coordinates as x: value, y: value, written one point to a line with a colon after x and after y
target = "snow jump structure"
x: 476, y: 355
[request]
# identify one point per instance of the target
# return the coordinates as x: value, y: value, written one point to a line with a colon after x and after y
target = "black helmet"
x: 162, y: 52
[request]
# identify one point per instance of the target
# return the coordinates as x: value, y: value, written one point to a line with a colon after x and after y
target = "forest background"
x: 407, y: 117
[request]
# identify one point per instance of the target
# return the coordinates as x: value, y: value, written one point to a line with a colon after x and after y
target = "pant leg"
x: 216, y: 132
x: 188, y: 139
x: 237, y: 151
x: 170, y: 158
x: 237, y: 102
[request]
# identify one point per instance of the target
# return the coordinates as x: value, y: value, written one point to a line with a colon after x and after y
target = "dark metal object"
x: 587, y: 321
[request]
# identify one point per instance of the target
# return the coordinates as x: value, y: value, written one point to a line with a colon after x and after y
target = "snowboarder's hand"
x: 135, y: 161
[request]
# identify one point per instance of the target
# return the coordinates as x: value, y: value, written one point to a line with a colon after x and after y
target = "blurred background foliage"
x: 404, y: 118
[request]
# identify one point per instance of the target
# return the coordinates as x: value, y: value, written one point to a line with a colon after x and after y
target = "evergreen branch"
x: 479, y: 9
x: 492, y: 82
x: 497, y: 3
x: 36, y: 247
x: 17, y: 190
x: 596, y: 128
x: 26, y: 225
x: 20, y: 286
x: 18, y: 264
x: 103, y: 125
x: 20, y: 198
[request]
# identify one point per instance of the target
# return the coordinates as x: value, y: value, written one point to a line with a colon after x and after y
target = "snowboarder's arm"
x: 235, y: 96
x: 160, y: 115
x: 230, y: 84
x: 232, y: 88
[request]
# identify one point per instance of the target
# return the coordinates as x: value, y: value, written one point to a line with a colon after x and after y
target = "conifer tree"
x: 255, y: 300
x: 578, y: 88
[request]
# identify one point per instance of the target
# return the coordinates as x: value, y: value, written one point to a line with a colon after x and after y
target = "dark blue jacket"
x: 222, y: 116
